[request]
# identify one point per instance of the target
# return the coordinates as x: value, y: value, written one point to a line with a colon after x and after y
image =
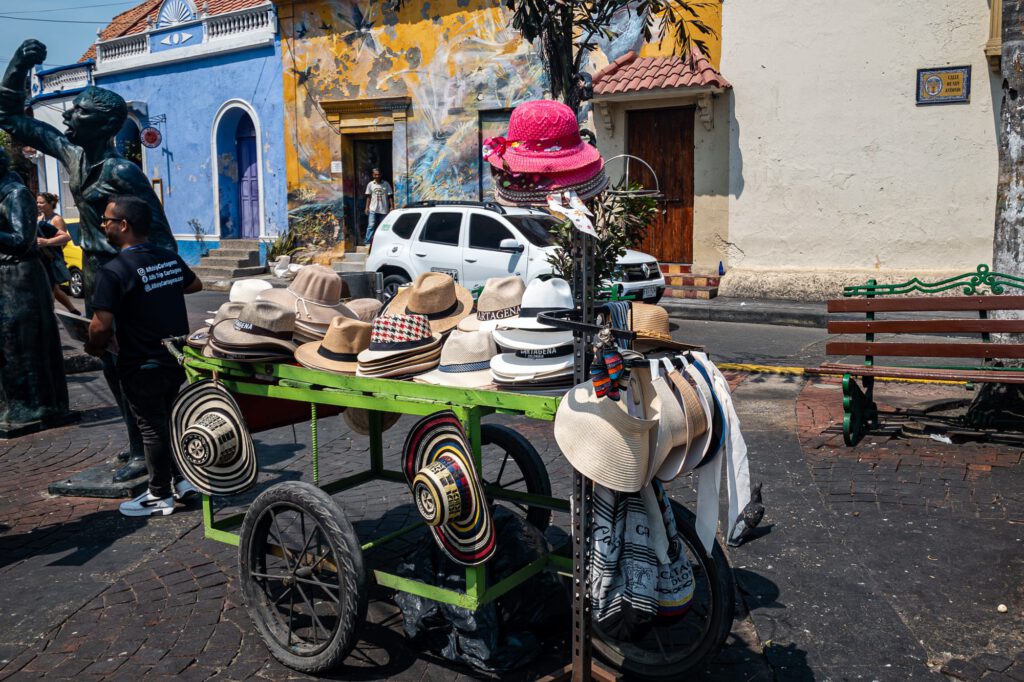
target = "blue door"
x: 248, y: 179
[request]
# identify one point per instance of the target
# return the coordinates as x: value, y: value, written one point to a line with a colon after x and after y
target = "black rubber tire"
x: 391, y: 284
x: 534, y: 473
x: 76, y: 285
x: 639, y: 664
x: 341, y: 565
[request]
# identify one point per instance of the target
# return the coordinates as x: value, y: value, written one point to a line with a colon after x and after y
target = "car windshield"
x: 535, y: 227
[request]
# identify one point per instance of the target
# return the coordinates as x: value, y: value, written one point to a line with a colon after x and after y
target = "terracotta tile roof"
x: 135, y: 19
x: 632, y: 73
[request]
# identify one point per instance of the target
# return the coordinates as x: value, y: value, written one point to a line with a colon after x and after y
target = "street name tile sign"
x: 945, y: 85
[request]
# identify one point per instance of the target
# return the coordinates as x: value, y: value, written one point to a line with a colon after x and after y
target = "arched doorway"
x: 237, y: 173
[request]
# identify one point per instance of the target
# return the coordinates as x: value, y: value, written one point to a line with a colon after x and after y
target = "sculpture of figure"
x: 33, y: 392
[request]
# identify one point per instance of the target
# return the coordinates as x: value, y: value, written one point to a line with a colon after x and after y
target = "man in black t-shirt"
x: 139, y: 298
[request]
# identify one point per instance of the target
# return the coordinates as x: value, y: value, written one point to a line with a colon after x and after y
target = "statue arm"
x: 20, y: 209
x: 42, y: 136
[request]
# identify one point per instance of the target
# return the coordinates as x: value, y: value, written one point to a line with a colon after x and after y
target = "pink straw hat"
x: 543, y: 137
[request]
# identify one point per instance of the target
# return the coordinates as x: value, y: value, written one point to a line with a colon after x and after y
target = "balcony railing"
x: 61, y: 80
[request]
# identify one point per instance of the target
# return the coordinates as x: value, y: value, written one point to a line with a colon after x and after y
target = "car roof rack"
x: 488, y: 205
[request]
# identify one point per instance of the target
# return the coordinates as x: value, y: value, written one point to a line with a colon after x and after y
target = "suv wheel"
x: 392, y: 283
x: 77, y: 283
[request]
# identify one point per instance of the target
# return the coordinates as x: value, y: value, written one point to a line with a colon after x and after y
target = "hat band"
x: 465, y: 367
x: 440, y: 314
x: 501, y: 314
x: 250, y: 328
x: 534, y: 312
x: 338, y: 357
x: 401, y: 345
x: 539, y: 353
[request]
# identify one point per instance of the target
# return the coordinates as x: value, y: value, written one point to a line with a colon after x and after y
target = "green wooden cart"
x: 301, y: 564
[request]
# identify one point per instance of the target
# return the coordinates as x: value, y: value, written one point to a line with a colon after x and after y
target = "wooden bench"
x: 964, y: 314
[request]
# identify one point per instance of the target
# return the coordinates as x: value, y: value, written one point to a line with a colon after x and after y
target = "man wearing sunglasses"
x: 139, y: 299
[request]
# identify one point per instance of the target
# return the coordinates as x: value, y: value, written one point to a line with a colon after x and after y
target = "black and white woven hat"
x: 210, y: 441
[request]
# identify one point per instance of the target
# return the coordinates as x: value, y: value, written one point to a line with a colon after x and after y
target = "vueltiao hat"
x: 438, y: 466
x: 602, y: 440
x: 210, y: 441
x: 501, y: 299
x: 465, y: 361
x: 340, y: 347
x: 260, y: 325
x: 314, y: 296
x: 435, y: 296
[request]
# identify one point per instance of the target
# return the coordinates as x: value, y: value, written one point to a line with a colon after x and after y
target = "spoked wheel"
x: 668, y: 651
x: 511, y: 463
x: 302, y: 576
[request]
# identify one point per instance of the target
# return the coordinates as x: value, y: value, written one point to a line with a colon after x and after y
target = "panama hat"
x: 685, y: 402
x: 465, y: 361
x: 358, y: 420
x: 541, y: 296
x: 364, y: 309
x: 447, y: 490
x: 525, y: 339
x: 210, y: 441
x: 435, y: 296
x: 500, y: 299
x: 533, y: 362
x: 341, y: 344
x: 314, y: 295
x: 653, y: 331
x: 602, y: 440
x: 246, y: 290
x: 397, y: 335
x: 433, y: 352
x: 260, y: 324
x: 402, y: 372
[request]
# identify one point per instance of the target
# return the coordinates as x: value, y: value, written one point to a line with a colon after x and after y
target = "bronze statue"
x: 33, y: 392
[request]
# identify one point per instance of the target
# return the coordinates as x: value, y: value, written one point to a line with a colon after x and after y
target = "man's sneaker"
x: 148, y: 504
x: 185, y: 491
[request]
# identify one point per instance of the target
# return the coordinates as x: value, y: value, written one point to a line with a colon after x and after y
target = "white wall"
x: 832, y: 165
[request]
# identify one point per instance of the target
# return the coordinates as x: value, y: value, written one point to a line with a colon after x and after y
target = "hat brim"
x: 212, y: 350
x: 527, y: 339
x: 716, y: 425
x: 464, y: 307
x: 199, y: 337
x: 473, y: 324
x: 649, y: 341
x: 586, y: 189
x: 194, y: 401
x: 404, y: 361
x: 470, y: 543
x: 401, y: 371
x: 226, y: 336
x: 308, y: 355
x: 478, y: 379
x: 358, y: 420
x: 511, y: 365
x: 370, y: 356
x: 566, y: 160
x: 306, y: 311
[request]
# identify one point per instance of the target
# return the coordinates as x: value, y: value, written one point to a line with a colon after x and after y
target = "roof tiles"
x: 632, y: 73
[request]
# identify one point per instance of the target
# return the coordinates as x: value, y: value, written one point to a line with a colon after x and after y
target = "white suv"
x: 474, y: 241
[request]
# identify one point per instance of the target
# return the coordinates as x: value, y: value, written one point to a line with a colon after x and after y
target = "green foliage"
x: 314, y: 230
x: 621, y: 223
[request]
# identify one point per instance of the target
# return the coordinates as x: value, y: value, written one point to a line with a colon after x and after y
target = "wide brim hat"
x: 586, y: 184
x: 689, y: 406
x: 602, y: 441
x: 465, y: 361
x: 210, y: 441
x: 212, y: 350
x: 543, y: 137
x: 438, y: 465
x: 338, y: 350
x: 307, y: 311
x: 717, y: 423
x: 228, y: 338
x: 702, y: 442
x: 368, y: 356
x: 510, y: 364
x: 653, y: 330
x: 403, y: 371
x: 358, y: 420
x: 529, y: 339
x: 439, y: 298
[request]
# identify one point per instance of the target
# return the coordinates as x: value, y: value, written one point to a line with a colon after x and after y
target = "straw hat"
x: 602, y: 441
x: 686, y: 402
x: 435, y: 296
x: 358, y: 420
x: 525, y: 339
x: 364, y: 309
x: 227, y: 311
x: 501, y: 299
x: 438, y: 466
x: 651, y: 324
x: 260, y: 324
x: 403, y: 371
x: 465, y: 361
x: 212, y: 350
x: 717, y: 423
x: 314, y: 295
x: 393, y: 336
x: 246, y: 290
x: 541, y: 296
x: 210, y: 441
x: 344, y: 339
x: 433, y: 352
x: 533, y: 362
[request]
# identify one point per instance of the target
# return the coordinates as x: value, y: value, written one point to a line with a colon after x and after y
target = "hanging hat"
x: 684, y: 400
x: 314, y: 295
x: 259, y: 325
x: 533, y: 362
x: 465, y: 361
x: 435, y: 296
x: 210, y: 441
x: 447, y: 490
x: 602, y: 441
x: 717, y: 424
x: 653, y: 331
x: 358, y: 420
x: 501, y: 299
x: 397, y: 335
x: 541, y: 296
x: 246, y: 290
x: 364, y: 309
x: 344, y: 339
x: 701, y: 441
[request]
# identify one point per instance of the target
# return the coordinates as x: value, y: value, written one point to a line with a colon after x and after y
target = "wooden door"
x: 248, y: 179
x: 664, y: 139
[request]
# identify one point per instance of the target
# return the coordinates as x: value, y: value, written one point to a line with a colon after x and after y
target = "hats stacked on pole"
x: 314, y: 298
x: 538, y: 355
x: 400, y: 346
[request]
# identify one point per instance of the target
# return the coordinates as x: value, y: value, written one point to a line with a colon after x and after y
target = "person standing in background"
x: 379, y: 196
x: 52, y: 236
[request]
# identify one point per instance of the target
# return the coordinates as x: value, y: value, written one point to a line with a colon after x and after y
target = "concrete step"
x: 675, y: 268
x: 216, y: 260
x: 355, y: 257
x: 247, y: 244
x: 704, y: 293
x: 692, y: 280
x: 362, y: 249
x: 235, y: 253
x: 213, y: 272
x: 346, y: 266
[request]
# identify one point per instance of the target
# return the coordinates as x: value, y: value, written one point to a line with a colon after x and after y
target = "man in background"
x: 379, y: 196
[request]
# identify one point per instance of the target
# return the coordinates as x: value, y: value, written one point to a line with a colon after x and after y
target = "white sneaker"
x: 147, y: 504
x: 184, y: 491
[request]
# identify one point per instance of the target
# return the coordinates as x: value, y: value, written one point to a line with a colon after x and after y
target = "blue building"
x: 203, y: 86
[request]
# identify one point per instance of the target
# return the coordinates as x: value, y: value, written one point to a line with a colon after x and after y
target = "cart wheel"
x: 529, y: 474
x: 668, y: 651
x: 301, y: 570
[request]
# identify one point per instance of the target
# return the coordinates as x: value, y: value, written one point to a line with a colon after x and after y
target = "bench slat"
x: 925, y: 303
x: 923, y: 326
x: 979, y: 376
x: 926, y: 350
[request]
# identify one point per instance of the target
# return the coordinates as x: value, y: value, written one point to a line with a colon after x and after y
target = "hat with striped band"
x: 344, y: 339
x: 260, y: 324
x: 438, y: 466
x: 210, y: 441
x: 465, y: 361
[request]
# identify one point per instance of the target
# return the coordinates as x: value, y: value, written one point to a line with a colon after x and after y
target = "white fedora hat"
x: 246, y: 290
x: 525, y: 339
x: 500, y: 300
x: 533, y: 363
x: 541, y: 296
x: 465, y: 361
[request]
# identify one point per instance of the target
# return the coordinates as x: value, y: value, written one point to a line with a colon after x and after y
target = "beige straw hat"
x: 260, y: 324
x: 602, y: 441
x: 651, y: 324
x: 465, y: 361
x: 314, y: 295
x: 672, y: 436
x: 500, y: 300
x: 685, y: 454
x: 364, y: 308
x: 437, y: 297
x: 344, y: 339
